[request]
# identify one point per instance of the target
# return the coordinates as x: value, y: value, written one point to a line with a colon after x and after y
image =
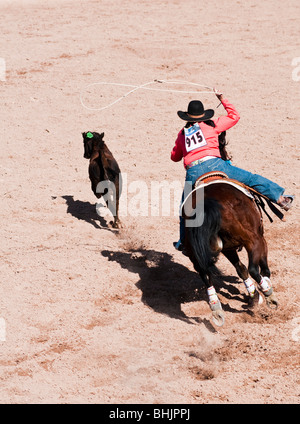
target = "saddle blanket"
x: 202, y: 185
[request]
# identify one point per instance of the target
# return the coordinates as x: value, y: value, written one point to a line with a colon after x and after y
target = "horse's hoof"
x: 218, y: 317
x: 272, y: 302
x: 255, y: 300
x: 117, y: 224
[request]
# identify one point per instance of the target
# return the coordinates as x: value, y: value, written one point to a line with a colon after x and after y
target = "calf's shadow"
x: 86, y: 211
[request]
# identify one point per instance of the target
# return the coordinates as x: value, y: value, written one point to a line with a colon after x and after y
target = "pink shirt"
x: 211, y: 148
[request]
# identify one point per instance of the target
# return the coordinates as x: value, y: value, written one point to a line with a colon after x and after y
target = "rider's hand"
x: 218, y: 94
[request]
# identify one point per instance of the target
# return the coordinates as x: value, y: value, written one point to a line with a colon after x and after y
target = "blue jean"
x: 264, y: 186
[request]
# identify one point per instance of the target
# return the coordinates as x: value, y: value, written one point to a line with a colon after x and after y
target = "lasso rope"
x: 144, y: 87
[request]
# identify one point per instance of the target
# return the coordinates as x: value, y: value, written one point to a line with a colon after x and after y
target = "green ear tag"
x: 89, y: 135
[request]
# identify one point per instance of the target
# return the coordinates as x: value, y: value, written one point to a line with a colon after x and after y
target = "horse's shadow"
x: 166, y: 285
x: 86, y: 211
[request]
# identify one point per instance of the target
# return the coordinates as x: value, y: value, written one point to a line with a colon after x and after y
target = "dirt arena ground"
x: 92, y: 315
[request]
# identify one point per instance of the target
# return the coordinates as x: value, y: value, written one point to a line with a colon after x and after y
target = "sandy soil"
x: 92, y: 315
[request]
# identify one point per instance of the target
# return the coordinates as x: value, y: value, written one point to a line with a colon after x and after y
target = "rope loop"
x: 144, y: 87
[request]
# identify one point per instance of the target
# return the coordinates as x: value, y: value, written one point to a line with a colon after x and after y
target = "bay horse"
x: 232, y: 220
x: 103, y: 168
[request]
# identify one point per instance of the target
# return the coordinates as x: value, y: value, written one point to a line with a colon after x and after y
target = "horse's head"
x: 92, y: 141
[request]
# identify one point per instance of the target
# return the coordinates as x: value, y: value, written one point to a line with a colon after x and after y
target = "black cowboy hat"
x: 196, y: 112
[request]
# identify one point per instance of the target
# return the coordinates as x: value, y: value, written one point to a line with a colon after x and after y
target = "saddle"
x: 219, y: 176
x: 210, y: 176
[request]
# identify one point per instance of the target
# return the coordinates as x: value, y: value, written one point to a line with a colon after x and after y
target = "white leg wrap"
x: 250, y: 286
x: 266, y: 286
x: 213, y: 298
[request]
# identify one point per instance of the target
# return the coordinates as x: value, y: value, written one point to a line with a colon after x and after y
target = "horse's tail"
x: 203, y: 237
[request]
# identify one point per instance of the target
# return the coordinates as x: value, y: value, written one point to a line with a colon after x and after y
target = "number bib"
x: 194, y: 138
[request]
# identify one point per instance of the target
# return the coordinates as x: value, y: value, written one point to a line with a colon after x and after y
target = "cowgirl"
x: 198, y: 144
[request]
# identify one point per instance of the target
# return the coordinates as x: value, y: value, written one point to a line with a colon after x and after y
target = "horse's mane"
x: 221, y: 137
